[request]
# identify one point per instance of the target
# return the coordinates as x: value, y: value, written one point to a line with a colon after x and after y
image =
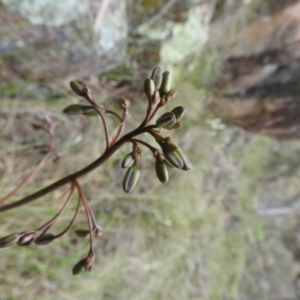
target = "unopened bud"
x: 174, y: 159
x: 82, y: 232
x: 156, y: 77
x: 131, y: 178
x: 45, y: 239
x: 166, y: 83
x: 186, y: 162
x: 9, y: 240
x: 167, y: 120
x: 26, y: 239
x: 168, y: 97
x: 155, y: 98
x: 73, y: 109
x: 161, y: 171
x: 167, y: 144
x: 178, y: 112
x: 77, y: 88
x: 127, y: 161
x: 149, y: 88
x: 78, y: 267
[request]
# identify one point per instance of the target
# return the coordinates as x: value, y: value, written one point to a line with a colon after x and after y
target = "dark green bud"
x: 131, y: 178
x: 166, y: 83
x: 45, y: 239
x: 156, y: 77
x: 161, y: 171
x: 78, y: 267
x: 178, y: 112
x: 186, y: 162
x: 73, y: 109
x: 9, y: 240
x: 149, y: 88
x: 82, y: 233
x: 167, y: 144
x: 77, y: 88
x: 174, y: 159
x: 167, y: 120
x: 127, y: 161
x: 79, y: 109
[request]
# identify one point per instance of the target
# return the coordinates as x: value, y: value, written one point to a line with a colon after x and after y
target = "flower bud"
x: 9, y: 240
x: 161, y: 171
x: 168, y: 97
x: 82, y: 233
x: 77, y: 88
x: 79, y: 109
x: 166, y: 83
x: 73, y: 109
x: 78, y: 267
x: 131, y: 177
x: 156, y: 77
x: 167, y: 120
x: 167, y: 144
x: 186, y: 162
x: 45, y: 239
x: 174, y: 159
x: 127, y: 161
x: 149, y: 88
x: 155, y: 98
x: 178, y: 112
x: 26, y: 239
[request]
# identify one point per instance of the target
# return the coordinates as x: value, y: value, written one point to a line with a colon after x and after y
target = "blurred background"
x: 228, y: 228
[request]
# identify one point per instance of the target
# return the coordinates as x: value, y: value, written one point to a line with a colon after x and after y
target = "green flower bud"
x: 149, y: 88
x: 166, y: 83
x: 9, y: 240
x: 82, y: 233
x: 156, y: 77
x: 167, y: 144
x: 131, y: 178
x: 174, y: 159
x: 127, y: 161
x: 178, y: 112
x: 78, y: 267
x: 161, y: 171
x: 77, y: 88
x: 74, y: 109
x: 186, y: 162
x: 45, y: 239
x: 167, y: 120
x: 79, y: 109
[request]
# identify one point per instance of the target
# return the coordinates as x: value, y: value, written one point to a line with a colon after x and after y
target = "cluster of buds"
x: 158, y: 91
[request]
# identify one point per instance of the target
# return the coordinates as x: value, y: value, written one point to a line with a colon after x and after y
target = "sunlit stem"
x: 87, y: 211
x: 72, y: 221
x: 45, y: 227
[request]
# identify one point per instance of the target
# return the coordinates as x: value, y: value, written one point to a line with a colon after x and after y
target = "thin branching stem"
x: 87, y: 211
x: 71, y: 222
x: 153, y: 149
x: 48, y: 224
x: 69, y: 178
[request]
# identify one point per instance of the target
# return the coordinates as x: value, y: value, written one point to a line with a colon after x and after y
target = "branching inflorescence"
x: 168, y: 155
